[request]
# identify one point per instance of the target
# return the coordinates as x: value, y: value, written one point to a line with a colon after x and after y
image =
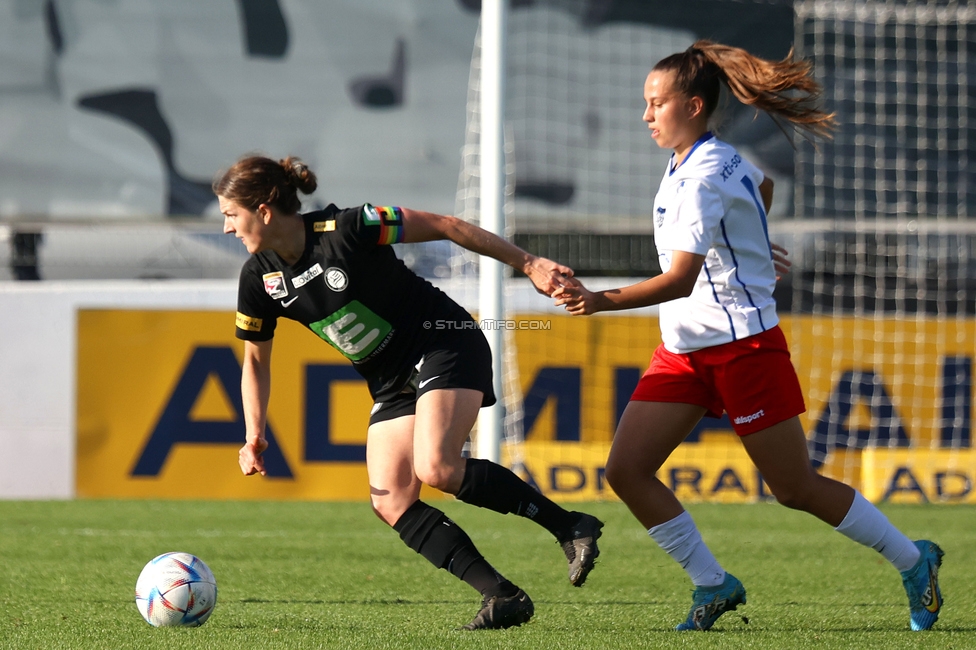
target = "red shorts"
x: 752, y: 379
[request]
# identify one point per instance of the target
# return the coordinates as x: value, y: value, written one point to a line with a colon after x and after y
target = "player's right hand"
x: 546, y: 275
x: 576, y: 299
x: 250, y: 457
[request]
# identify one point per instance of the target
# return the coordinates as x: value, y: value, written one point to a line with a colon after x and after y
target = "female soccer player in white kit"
x: 722, y: 348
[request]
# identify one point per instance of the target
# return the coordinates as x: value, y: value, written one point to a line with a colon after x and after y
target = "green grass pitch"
x: 330, y: 575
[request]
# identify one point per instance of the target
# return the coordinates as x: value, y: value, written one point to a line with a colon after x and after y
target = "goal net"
x: 884, y: 291
x: 879, y: 308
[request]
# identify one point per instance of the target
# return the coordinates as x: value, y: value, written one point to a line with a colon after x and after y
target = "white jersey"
x: 711, y: 206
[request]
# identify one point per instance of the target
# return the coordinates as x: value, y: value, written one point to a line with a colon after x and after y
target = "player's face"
x: 669, y: 112
x: 244, y: 224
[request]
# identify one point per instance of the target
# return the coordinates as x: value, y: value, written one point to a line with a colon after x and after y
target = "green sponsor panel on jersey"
x: 354, y: 330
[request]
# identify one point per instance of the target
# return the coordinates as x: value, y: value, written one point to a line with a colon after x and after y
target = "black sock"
x: 483, y: 577
x: 431, y: 533
x: 489, y: 485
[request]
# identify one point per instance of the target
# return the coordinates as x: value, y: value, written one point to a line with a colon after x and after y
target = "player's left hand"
x: 780, y: 263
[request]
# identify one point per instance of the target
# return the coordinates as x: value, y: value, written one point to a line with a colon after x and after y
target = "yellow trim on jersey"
x: 249, y: 323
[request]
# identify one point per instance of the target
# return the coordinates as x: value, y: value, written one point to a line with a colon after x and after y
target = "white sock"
x: 867, y: 525
x: 681, y: 540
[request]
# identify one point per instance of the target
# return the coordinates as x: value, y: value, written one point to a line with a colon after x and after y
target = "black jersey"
x: 351, y: 290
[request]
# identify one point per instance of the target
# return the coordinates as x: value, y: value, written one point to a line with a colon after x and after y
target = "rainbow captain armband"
x: 390, y: 222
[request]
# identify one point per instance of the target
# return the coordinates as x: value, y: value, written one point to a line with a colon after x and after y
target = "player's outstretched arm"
x: 546, y: 275
x: 677, y: 282
x: 255, y: 393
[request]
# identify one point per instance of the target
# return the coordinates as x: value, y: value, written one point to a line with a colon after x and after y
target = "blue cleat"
x: 922, y: 585
x: 708, y: 603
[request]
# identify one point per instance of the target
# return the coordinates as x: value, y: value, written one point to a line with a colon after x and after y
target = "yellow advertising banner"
x: 919, y: 475
x: 884, y: 381
x: 159, y: 410
x: 715, y: 470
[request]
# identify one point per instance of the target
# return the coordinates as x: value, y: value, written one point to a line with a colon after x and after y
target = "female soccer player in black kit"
x: 334, y: 271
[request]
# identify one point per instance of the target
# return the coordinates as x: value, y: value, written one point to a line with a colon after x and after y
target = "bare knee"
x: 621, y: 474
x: 439, y: 474
x: 616, y: 474
x: 798, y: 495
x: 792, y: 500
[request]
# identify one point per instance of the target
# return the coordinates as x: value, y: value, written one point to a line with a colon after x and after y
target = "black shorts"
x: 454, y: 359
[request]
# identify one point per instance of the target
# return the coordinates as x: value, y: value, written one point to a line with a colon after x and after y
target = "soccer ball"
x: 176, y: 590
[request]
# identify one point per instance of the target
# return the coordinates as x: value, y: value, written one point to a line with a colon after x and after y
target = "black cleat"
x: 498, y: 613
x: 581, y: 549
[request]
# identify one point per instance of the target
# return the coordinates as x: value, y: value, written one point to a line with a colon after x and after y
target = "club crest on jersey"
x: 659, y: 217
x: 336, y: 279
x: 370, y: 216
x: 303, y: 279
x: 274, y: 284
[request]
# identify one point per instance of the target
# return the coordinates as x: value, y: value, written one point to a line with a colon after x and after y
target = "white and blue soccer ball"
x: 176, y: 590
